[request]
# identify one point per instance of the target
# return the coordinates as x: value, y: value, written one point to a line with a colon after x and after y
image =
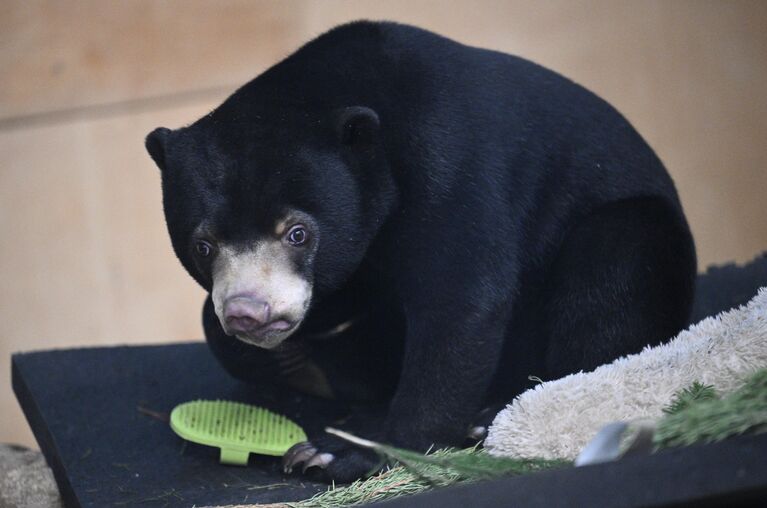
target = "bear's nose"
x: 245, y: 313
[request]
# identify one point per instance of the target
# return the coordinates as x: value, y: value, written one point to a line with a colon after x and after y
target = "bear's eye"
x: 297, y: 235
x: 203, y: 248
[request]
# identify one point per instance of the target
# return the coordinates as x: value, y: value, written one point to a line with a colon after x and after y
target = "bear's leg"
x: 361, y: 363
x: 444, y: 377
x: 354, y: 337
x: 446, y: 369
x: 452, y: 346
x: 623, y: 279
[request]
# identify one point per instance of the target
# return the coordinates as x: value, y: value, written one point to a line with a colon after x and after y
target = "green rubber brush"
x: 238, y: 429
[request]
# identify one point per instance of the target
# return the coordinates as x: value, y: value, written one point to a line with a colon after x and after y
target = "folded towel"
x: 557, y: 418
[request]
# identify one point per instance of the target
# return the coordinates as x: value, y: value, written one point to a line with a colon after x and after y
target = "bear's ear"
x: 356, y: 125
x: 155, y: 144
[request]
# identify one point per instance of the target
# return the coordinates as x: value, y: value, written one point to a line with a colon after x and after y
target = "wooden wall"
x: 84, y: 255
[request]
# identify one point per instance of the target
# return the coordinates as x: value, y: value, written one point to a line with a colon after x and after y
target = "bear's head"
x: 268, y: 208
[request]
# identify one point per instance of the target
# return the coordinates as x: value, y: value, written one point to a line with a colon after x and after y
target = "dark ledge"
x: 82, y: 407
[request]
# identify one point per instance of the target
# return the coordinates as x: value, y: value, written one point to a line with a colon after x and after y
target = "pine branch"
x: 712, y: 419
x: 685, y: 398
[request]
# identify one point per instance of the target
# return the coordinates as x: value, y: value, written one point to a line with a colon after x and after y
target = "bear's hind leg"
x: 624, y: 278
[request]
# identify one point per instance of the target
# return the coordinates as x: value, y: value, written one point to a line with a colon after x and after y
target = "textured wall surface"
x: 84, y: 257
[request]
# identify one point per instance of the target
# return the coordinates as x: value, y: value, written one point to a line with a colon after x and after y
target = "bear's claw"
x: 307, y: 454
x: 320, y: 459
x: 297, y: 454
x: 477, y: 433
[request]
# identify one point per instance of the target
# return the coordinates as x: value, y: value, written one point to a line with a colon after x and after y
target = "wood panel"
x: 86, y: 259
x: 61, y: 55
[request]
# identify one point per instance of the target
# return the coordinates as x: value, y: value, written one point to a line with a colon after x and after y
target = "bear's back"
x: 457, y: 117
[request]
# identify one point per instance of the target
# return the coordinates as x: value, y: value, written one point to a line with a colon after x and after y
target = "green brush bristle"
x: 238, y: 429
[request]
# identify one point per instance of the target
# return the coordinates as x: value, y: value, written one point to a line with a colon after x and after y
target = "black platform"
x: 83, y: 408
x: 82, y: 405
x: 729, y: 474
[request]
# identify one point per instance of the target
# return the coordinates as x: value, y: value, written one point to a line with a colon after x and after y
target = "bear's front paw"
x: 339, y: 460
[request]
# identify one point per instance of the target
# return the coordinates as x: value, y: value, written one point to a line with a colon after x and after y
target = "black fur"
x: 485, y: 218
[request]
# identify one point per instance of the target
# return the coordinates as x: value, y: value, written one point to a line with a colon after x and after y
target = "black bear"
x: 389, y: 213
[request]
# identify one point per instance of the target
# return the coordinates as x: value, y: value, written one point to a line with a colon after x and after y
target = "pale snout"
x: 244, y: 313
x: 247, y: 314
x: 257, y: 293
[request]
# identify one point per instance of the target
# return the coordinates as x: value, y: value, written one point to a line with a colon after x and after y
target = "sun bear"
x: 389, y: 213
